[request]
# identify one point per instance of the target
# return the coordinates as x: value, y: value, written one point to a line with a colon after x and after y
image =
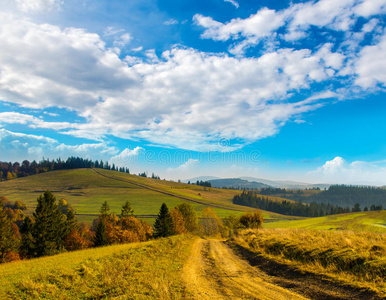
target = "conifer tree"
x: 127, y: 211
x: 105, y: 209
x: 163, y: 225
x: 100, y: 238
x: 27, y: 242
x: 48, y: 230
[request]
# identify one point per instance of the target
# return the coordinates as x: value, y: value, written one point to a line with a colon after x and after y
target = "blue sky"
x: 291, y: 90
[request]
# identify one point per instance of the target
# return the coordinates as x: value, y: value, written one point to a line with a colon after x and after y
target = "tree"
x: 356, y: 208
x: 211, y: 224
x: 163, y: 225
x: 100, y: 234
x: 8, y: 240
x: 178, y: 221
x: 27, y: 242
x: 127, y: 210
x: 250, y: 220
x: 232, y: 222
x: 48, y: 230
x: 189, y: 215
x: 105, y: 209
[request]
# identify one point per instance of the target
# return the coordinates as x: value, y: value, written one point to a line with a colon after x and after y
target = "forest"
x: 366, y: 196
x: 313, y: 209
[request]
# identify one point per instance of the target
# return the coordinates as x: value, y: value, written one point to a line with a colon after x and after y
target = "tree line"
x: 53, y: 228
x: 366, y: 196
x: 313, y: 209
x: 9, y: 170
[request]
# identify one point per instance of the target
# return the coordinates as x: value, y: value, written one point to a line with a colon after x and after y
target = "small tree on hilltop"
x: 163, y: 225
x: 250, y: 220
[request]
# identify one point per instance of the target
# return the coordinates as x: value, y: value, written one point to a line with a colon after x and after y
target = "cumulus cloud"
x: 186, y: 168
x: 340, y: 171
x: 83, y: 67
x: 371, y: 65
x: 127, y: 156
x: 183, y: 97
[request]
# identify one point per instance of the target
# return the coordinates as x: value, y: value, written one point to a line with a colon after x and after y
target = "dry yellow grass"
x: 354, y: 258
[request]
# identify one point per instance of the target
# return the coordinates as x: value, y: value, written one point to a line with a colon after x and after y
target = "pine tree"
x: 163, y: 225
x: 105, y: 209
x: 127, y: 211
x: 27, y: 242
x: 48, y: 230
x: 100, y: 238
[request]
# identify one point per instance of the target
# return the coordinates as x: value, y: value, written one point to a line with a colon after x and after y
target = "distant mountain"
x: 237, y: 183
x: 295, y: 185
x: 200, y: 178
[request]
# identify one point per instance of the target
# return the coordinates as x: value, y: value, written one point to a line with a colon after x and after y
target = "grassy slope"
x: 86, y: 190
x: 150, y: 270
x: 354, y: 258
x: 373, y: 221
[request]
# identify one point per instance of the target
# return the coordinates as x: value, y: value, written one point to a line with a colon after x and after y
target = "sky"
x: 286, y: 90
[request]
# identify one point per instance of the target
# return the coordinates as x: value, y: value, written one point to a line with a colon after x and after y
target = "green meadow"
x: 87, y: 189
x: 372, y: 221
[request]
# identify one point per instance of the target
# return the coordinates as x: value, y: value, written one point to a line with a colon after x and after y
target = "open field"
x: 353, y: 259
x: 150, y: 270
x: 87, y: 189
x: 372, y: 221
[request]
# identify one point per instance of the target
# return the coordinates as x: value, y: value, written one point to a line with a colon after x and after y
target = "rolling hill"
x: 87, y: 189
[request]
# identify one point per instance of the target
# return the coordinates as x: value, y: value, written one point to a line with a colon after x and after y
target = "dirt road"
x: 215, y: 272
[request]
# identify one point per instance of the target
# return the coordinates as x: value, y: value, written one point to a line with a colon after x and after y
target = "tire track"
x: 213, y: 271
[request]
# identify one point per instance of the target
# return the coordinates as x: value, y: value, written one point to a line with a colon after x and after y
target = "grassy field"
x: 372, y: 221
x: 150, y: 270
x: 86, y: 190
x: 353, y: 258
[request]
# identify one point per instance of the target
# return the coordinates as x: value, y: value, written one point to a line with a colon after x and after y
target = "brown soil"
x: 214, y: 271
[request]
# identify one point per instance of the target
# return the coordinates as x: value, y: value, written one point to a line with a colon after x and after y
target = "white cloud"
x: 33, y: 122
x: 127, y: 156
x: 15, y: 145
x: 257, y: 26
x: 182, y: 98
x: 233, y: 2
x: 371, y: 65
x: 171, y: 22
x: 38, y: 5
x: 84, y: 68
x: 340, y: 171
x: 112, y: 31
x: 123, y: 40
x: 296, y: 21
